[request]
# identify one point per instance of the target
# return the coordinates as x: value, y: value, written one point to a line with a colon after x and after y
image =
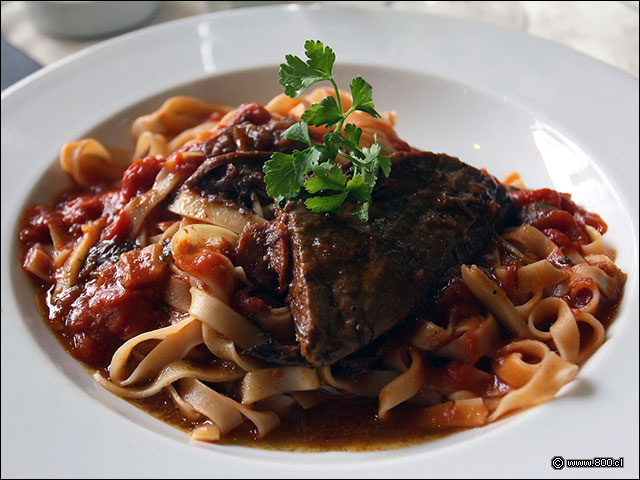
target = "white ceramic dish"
x: 559, y: 118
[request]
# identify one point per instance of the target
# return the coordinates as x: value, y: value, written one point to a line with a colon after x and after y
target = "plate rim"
x: 32, y: 79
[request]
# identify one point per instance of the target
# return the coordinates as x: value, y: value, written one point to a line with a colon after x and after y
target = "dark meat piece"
x: 280, y: 355
x: 235, y: 176
x: 248, y: 137
x: 264, y: 252
x: 353, y: 280
x: 233, y: 169
x: 105, y: 251
x: 356, y: 367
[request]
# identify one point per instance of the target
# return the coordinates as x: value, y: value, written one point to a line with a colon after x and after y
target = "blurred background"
x: 38, y: 33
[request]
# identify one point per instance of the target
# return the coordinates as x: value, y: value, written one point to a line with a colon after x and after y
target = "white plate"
x: 559, y: 118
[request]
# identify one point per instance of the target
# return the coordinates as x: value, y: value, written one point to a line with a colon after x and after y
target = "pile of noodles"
x: 550, y: 339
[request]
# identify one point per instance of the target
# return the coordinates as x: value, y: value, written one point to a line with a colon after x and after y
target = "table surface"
x: 607, y: 31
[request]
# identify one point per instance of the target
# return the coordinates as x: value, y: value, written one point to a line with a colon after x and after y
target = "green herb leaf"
x: 341, y: 142
x: 329, y: 203
x: 327, y: 177
x: 284, y: 174
x: 372, y: 163
x: 325, y: 113
x: 296, y: 75
x: 329, y: 149
x: 385, y: 165
x: 298, y: 132
x: 362, y: 93
x: 305, y: 161
x: 353, y: 133
x: 280, y: 176
x: 359, y: 189
x: 321, y: 58
x: 363, y: 213
x: 378, y: 160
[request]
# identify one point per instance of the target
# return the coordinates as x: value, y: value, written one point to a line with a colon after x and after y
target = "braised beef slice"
x: 233, y: 173
x: 264, y: 253
x: 354, y: 280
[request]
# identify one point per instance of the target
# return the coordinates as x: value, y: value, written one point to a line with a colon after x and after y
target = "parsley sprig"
x: 312, y: 173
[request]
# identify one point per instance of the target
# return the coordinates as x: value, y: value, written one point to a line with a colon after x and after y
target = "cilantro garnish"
x: 312, y: 173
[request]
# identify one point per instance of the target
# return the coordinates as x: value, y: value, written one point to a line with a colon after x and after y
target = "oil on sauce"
x: 338, y: 424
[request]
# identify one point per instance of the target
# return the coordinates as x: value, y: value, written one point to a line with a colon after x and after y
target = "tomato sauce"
x: 510, y: 283
x: 456, y: 303
x: 252, y: 112
x: 120, y: 301
x: 139, y: 177
x: 246, y: 304
x: 186, y: 164
x: 546, y: 198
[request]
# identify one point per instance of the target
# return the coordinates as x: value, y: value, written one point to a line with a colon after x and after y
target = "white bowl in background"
x: 86, y: 19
